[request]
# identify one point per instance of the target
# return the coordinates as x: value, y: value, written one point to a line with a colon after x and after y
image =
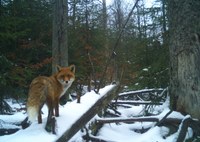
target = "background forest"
x: 93, y: 30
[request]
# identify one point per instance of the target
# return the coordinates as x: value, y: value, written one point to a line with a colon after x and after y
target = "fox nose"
x: 66, y: 81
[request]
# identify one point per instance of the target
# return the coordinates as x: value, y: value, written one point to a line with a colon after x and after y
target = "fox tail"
x: 32, y: 112
x: 32, y: 115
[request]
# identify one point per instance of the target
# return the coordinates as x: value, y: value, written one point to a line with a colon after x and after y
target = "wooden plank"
x: 88, y: 115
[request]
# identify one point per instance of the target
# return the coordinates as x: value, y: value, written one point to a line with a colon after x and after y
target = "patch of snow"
x: 136, y: 84
x: 145, y: 69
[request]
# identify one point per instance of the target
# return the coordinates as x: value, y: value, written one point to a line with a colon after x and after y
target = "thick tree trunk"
x: 60, y: 41
x: 184, y: 25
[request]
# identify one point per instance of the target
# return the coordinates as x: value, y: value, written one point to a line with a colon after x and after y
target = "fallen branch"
x: 140, y: 92
x: 139, y: 119
x: 85, y: 118
x: 185, y: 123
x: 114, y: 109
x: 183, y: 129
x: 4, y: 131
x: 108, y: 113
x: 93, y: 139
x: 5, y: 108
x: 164, y: 118
x: 136, y: 102
x: 127, y: 120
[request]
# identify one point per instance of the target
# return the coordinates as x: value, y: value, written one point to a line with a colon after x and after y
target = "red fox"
x: 48, y: 90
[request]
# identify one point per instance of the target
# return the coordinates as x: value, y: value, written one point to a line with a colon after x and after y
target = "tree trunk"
x: 104, y: 25
x: 60, y: 41
x: 184, y: 26
x: 164, y: 27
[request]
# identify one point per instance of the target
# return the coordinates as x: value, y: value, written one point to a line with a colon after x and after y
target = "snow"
x: 109, y: 132
x: 145, y: 69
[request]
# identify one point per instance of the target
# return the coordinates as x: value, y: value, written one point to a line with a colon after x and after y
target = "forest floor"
x: 115, y: 132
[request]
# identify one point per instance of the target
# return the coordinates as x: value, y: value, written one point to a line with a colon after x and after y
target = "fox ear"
x: 72, y: 68
x: 58, y: 68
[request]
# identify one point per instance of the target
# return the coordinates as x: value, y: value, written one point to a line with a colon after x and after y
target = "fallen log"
x: 136, y: 102
x: 138, y: 92
x: 139, y: 119
x: 127, y: 120
x: 85, y: 118
x: 4, y: 131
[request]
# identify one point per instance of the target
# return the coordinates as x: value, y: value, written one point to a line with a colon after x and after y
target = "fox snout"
x: 66, y: 82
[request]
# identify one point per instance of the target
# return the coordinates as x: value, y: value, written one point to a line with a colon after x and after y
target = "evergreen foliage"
x: 25, y: 42
x: 26, y: 34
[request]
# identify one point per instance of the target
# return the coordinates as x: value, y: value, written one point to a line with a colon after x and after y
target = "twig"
x: 112, y: 108
x: 163, y: 119
x: 111, y: 114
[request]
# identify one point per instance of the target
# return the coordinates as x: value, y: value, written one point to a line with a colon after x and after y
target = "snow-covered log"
x: 88, y: 115
x: 140, y: 92
x: 127, y: 120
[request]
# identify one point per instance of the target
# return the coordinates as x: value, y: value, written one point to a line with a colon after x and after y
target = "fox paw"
x: 51, y: 125
x: 48, y: 128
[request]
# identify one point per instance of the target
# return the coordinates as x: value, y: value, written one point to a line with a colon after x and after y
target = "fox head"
x: 66, y: 75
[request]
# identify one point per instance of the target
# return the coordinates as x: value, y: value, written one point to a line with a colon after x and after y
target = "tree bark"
x: 184, y: 28
x: 60, y: 41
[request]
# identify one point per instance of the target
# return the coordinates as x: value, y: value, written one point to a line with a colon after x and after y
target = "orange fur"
x: 48, y: 90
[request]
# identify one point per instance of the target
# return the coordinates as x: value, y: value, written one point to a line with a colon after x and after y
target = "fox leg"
x: 48, y: 126
x: 39, y: 116
x: 56, y: 105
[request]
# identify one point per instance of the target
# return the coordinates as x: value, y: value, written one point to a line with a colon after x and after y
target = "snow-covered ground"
x: 69, y: 113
